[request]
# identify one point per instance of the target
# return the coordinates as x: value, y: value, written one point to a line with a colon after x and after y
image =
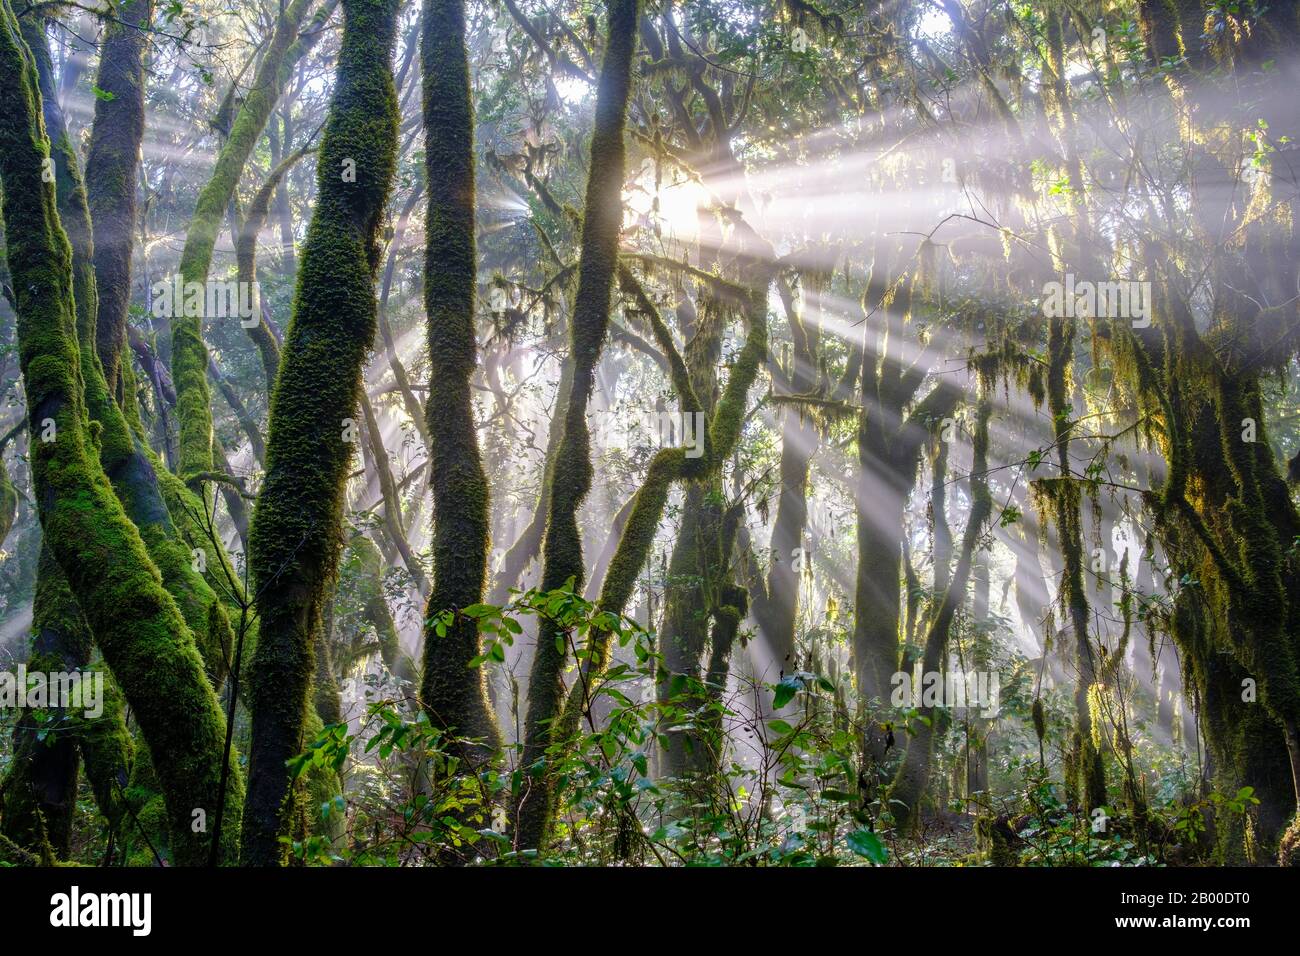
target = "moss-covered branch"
x: 189, y: 355
x: 268, y: 346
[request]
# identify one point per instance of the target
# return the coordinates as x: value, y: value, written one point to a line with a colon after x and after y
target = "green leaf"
x: 866, y: 844
x: 785, y: 692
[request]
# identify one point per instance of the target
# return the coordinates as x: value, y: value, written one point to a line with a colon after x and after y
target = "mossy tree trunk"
x: 296, y: 538
x: 914, y: 773
x: 189, y: 355
x: 45, y: 765
x: 112, y: 167
x: 1224, y: 513
x: 562, y: 543
x: 151, y: 652
x: 41, y: 786
x: 453, y: 693
x: 890, y: 442
x: 1085, y: 772
x: 978, y: 728
x: 127, y: 462
x: 798, y: 444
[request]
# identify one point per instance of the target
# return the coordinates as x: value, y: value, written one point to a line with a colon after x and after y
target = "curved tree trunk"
x: 562, y: 544
x: 151, y: 652
x: 189, y: 355
x: 295, y: 540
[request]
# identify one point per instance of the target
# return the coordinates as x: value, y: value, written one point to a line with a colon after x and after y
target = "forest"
x: 649, y: 433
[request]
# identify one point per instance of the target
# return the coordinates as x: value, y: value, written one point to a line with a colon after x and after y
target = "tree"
x: 152, y: 653
x: 562, y: 544
x: 296, y: 533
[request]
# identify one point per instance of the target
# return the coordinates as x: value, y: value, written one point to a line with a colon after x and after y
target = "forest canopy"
x: 649, y: 432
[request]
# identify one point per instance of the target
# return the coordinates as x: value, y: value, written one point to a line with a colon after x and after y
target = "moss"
x: 453, y: 694
x: 107, y: 752
x: 729, y: 414
x: 151, y: 651
x: 189, y: 355
x: 112, y: 167
x: 131, y: 401
x: 1265, y: 648
x: 14, y: 855
x: 562, y: 544
x: 993, y: 840
x: 295, y: 540
x: 322, y: 786
x: 1288, y: 853
x: 70, y: 195
x: 41, y: 785
x: 326, y: 698
x: 1222, y: 519
x: 145, y: 837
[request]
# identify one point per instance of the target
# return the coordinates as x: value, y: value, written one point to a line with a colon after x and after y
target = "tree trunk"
x: 112, y: 169
x: 150, y: 652
x: 453, y: 692
x: 562, y: 544
x: 189, y: 355
x: 296, y: 535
